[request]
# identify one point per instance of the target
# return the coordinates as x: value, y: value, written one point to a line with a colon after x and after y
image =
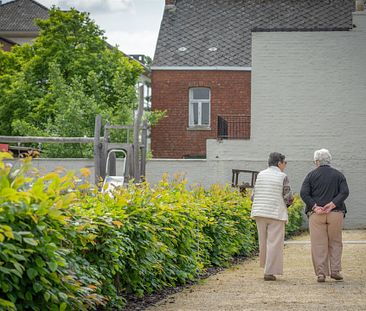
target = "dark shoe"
x: 269, y: 277
x: 337, y: 276
x: 321, y: 278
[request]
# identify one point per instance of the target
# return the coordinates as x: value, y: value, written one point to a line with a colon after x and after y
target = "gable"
x: 19, y: 15
x: 218, y: 32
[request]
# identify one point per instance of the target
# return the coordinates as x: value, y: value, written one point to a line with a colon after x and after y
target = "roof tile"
x: 228, y: 24
x: 19, y: 15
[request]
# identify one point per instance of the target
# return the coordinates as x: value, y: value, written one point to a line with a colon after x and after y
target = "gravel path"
x: 242, y: 287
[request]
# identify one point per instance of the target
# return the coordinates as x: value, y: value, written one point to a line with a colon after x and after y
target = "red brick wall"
x: 230, y: 94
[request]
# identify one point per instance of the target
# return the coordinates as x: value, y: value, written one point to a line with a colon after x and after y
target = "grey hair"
x: 274, y: 158
x: 323, y: 156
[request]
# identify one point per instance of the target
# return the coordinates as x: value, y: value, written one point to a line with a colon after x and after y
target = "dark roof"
x: 198, y: 25
x: 19, y: 15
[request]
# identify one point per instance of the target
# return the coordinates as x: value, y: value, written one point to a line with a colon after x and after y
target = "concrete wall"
x: 309, y: 92
x: 196, y: 171
x: 49, y: 165
x: 201, y: 172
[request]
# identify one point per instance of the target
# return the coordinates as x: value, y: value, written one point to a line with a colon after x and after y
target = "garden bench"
x: 244, y: 185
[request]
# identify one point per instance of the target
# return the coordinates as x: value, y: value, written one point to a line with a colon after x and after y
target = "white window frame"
x: 199, y: 102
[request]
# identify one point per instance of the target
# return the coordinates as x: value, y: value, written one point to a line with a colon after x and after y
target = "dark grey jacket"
x: 323, y: 185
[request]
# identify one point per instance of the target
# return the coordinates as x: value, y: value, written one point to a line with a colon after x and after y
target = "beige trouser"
x: 271, y: 234
x: 326, y: 242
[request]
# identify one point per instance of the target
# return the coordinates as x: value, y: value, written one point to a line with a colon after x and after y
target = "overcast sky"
x: 131, y: 24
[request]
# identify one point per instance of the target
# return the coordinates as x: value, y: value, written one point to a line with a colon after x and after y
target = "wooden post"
x: 112, y: 164
x: 104, y: 152
x: 130, y: 157
x: 97, y: 149
x: 112, y: 159
x: 143, y: 149
x: 136, y: 132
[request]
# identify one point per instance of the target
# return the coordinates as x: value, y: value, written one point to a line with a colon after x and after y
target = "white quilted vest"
x: 268, y: 195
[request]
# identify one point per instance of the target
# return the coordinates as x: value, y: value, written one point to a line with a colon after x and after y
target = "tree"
x: 57, y: 85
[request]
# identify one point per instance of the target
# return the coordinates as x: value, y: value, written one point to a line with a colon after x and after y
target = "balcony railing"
x: 232, y: 126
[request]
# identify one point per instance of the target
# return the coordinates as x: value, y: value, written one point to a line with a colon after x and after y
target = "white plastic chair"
x: 112, y: 182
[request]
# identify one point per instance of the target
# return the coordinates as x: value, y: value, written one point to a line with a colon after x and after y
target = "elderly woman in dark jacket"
x: 324, y: 191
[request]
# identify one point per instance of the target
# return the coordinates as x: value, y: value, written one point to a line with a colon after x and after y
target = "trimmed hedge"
x: 64, y: 246
x: 295, y: 217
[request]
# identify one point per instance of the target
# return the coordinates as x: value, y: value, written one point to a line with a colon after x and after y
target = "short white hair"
x: 323, y: 156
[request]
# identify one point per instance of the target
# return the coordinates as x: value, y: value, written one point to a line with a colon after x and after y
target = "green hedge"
x: 295, y: 217
x: 66, y: 247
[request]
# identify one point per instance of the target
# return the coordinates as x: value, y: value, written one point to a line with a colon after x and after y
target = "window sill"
x: 199, y: 128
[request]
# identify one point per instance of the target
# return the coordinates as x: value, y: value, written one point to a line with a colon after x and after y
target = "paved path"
x: 242, y: 287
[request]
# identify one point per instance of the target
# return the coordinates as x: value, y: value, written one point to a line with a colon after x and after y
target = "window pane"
x: 201, y: 93
x: 205, y: 113
x: 195, y: 113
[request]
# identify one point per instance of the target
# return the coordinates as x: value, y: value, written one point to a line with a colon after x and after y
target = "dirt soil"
x: 242, y: 287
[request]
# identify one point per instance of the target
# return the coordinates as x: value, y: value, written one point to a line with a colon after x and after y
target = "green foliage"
x: 57, y: 85
x: 64, y: 245
x: 295, y: 217
x: 153, y: 117
x: 37, y: 264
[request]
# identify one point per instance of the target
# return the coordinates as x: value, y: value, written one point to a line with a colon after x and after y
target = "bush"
x: 295, y: 217
x: 66, y: 247
x: 36, y: 261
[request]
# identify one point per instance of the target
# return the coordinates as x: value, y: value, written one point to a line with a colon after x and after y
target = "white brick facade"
x: 309, y: 92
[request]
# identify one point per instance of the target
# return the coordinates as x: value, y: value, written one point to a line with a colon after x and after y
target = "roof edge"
x: 223, y: 68
x: 8, y: 40
x: 20, y: 33
x: 35, y: 2
x: 301, y: 29
x: 41, y: 5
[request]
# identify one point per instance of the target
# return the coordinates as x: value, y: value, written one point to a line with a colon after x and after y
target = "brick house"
x: 201, y: 73
x: 17, y: 22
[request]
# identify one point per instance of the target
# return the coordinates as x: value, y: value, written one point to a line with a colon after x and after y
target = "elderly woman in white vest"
x: 324, y: 191
x: 271, y: 197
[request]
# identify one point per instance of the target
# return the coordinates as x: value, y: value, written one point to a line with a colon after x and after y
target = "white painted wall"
x: 309, y: 92
x: 45, y: 166
x: 201, y: 172
x: 197, y: 172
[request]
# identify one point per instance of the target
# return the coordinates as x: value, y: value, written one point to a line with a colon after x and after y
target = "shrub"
x: 35, y: 260
x: 66, y: 246
x: 295, y: 217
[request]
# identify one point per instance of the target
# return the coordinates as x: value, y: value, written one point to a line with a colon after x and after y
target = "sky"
x: 133, y: 25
